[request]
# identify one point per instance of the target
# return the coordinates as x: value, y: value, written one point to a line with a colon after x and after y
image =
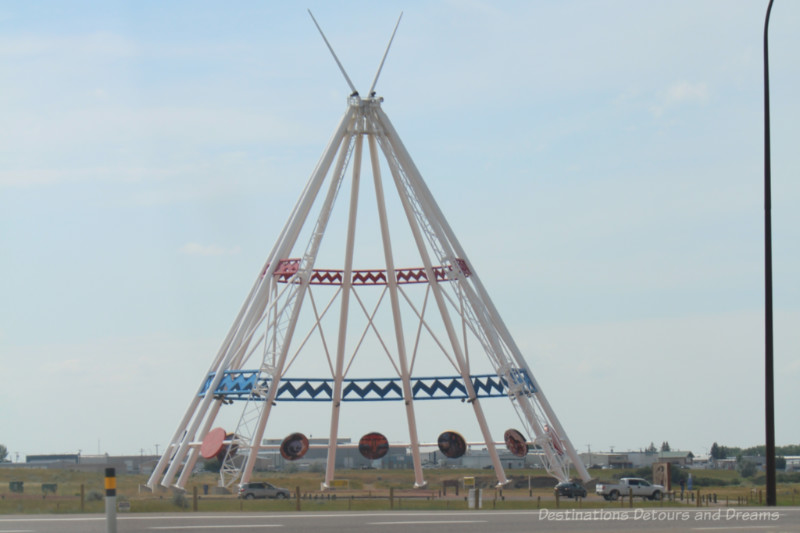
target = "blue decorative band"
x: 248, y: 384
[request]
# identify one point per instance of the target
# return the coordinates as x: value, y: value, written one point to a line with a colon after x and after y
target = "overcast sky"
x: 600, y: 162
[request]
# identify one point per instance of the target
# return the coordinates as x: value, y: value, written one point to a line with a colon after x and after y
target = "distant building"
x: 124, y: 464
x: 65, y: 459
x: 481, y: 459
x: 792, y: 463
x: 610, y: 460
x: 729, y: 463
x: 680, y: 458
x: 635, y: 459
x: 759, y: 460
x: 703, y: 461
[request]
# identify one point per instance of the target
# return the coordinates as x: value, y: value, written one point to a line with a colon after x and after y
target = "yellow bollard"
x: 111, y: 500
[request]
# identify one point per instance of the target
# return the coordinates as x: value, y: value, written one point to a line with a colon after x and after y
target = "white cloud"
x: 684, y: 91
x: 680, y: 93
x: 194, y: 248
x: 483, y: 9
x: 98, y: 44
x: 64, y: 366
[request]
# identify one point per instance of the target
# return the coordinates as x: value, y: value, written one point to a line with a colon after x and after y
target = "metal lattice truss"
x: 254, y: 363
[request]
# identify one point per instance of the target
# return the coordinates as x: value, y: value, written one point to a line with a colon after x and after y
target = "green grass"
x: 369, y: 490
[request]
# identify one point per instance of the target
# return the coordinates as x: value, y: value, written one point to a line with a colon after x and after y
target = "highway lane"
x: 653, y: 520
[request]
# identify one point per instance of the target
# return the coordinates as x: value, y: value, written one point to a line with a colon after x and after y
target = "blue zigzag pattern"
x: 306, y: 391
x: 353, y: 392
x: 455, y: 389
x: 240, y: 385
x: 493, y: 386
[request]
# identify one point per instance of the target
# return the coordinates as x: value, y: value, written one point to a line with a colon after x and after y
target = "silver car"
x: 262, y: 489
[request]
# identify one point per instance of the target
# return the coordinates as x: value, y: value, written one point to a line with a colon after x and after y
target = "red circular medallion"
x: 373, y: 446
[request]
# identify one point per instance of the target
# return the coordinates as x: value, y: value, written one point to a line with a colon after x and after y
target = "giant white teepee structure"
x: 344, y: 325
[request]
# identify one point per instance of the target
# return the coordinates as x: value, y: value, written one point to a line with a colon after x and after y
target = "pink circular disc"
x: 213, y: 443
x: 516, y: 443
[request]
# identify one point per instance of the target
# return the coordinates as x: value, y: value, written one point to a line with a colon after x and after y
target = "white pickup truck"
x: 634, y: 486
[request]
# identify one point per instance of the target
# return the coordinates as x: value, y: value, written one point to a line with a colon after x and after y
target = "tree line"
x: 723, y: 452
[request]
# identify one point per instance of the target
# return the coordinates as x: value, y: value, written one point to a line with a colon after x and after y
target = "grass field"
x: 77, y: 491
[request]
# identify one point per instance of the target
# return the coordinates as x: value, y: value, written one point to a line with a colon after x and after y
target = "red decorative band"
x: 288, y: 267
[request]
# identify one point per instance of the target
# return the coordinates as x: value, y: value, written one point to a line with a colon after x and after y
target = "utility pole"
x: 769, y: 379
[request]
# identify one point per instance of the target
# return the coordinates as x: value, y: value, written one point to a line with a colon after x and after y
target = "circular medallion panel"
x: 452, y: 444
x: 373, y: 446
x: 516, y: 443
x: 294, y: 446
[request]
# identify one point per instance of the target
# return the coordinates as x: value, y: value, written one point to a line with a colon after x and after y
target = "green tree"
x: 3, y: 453
x: 677, y: 474
x: 212, y: 465
x: 722, y: 452
x: 716, y: 451
x: 747, y: 469
x: 792, y: 449
x: 757, y: 451
x: 665, y: 446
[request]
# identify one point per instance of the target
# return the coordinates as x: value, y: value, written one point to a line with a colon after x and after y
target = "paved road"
x: 769, y: 520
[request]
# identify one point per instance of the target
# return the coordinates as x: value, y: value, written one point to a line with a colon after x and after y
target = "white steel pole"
x: 195, y: 452
x: 309, y: 258
x: 341, y: 68
x: 169, y: 449
x: 391, y: 279
x: 481, y: 298
x: 306, y: 201
x: 192, y: 409
x: 347, y: 282
x: 445, y: 315
x: 383, y: 59
x: 258, y: 302
x: 191, y: 431
x: 292, y: 228
x: 427, y: 197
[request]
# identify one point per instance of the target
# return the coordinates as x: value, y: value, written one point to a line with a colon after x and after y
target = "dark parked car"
x: 262, y: 489
x: 570, y: 489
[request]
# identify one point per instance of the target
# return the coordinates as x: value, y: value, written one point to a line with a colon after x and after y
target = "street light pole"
x: 769, y: 385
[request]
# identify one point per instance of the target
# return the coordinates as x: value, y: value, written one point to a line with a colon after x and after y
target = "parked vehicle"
x: 637, y: 487
x: 571, y: 489
x: 262, y: 489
